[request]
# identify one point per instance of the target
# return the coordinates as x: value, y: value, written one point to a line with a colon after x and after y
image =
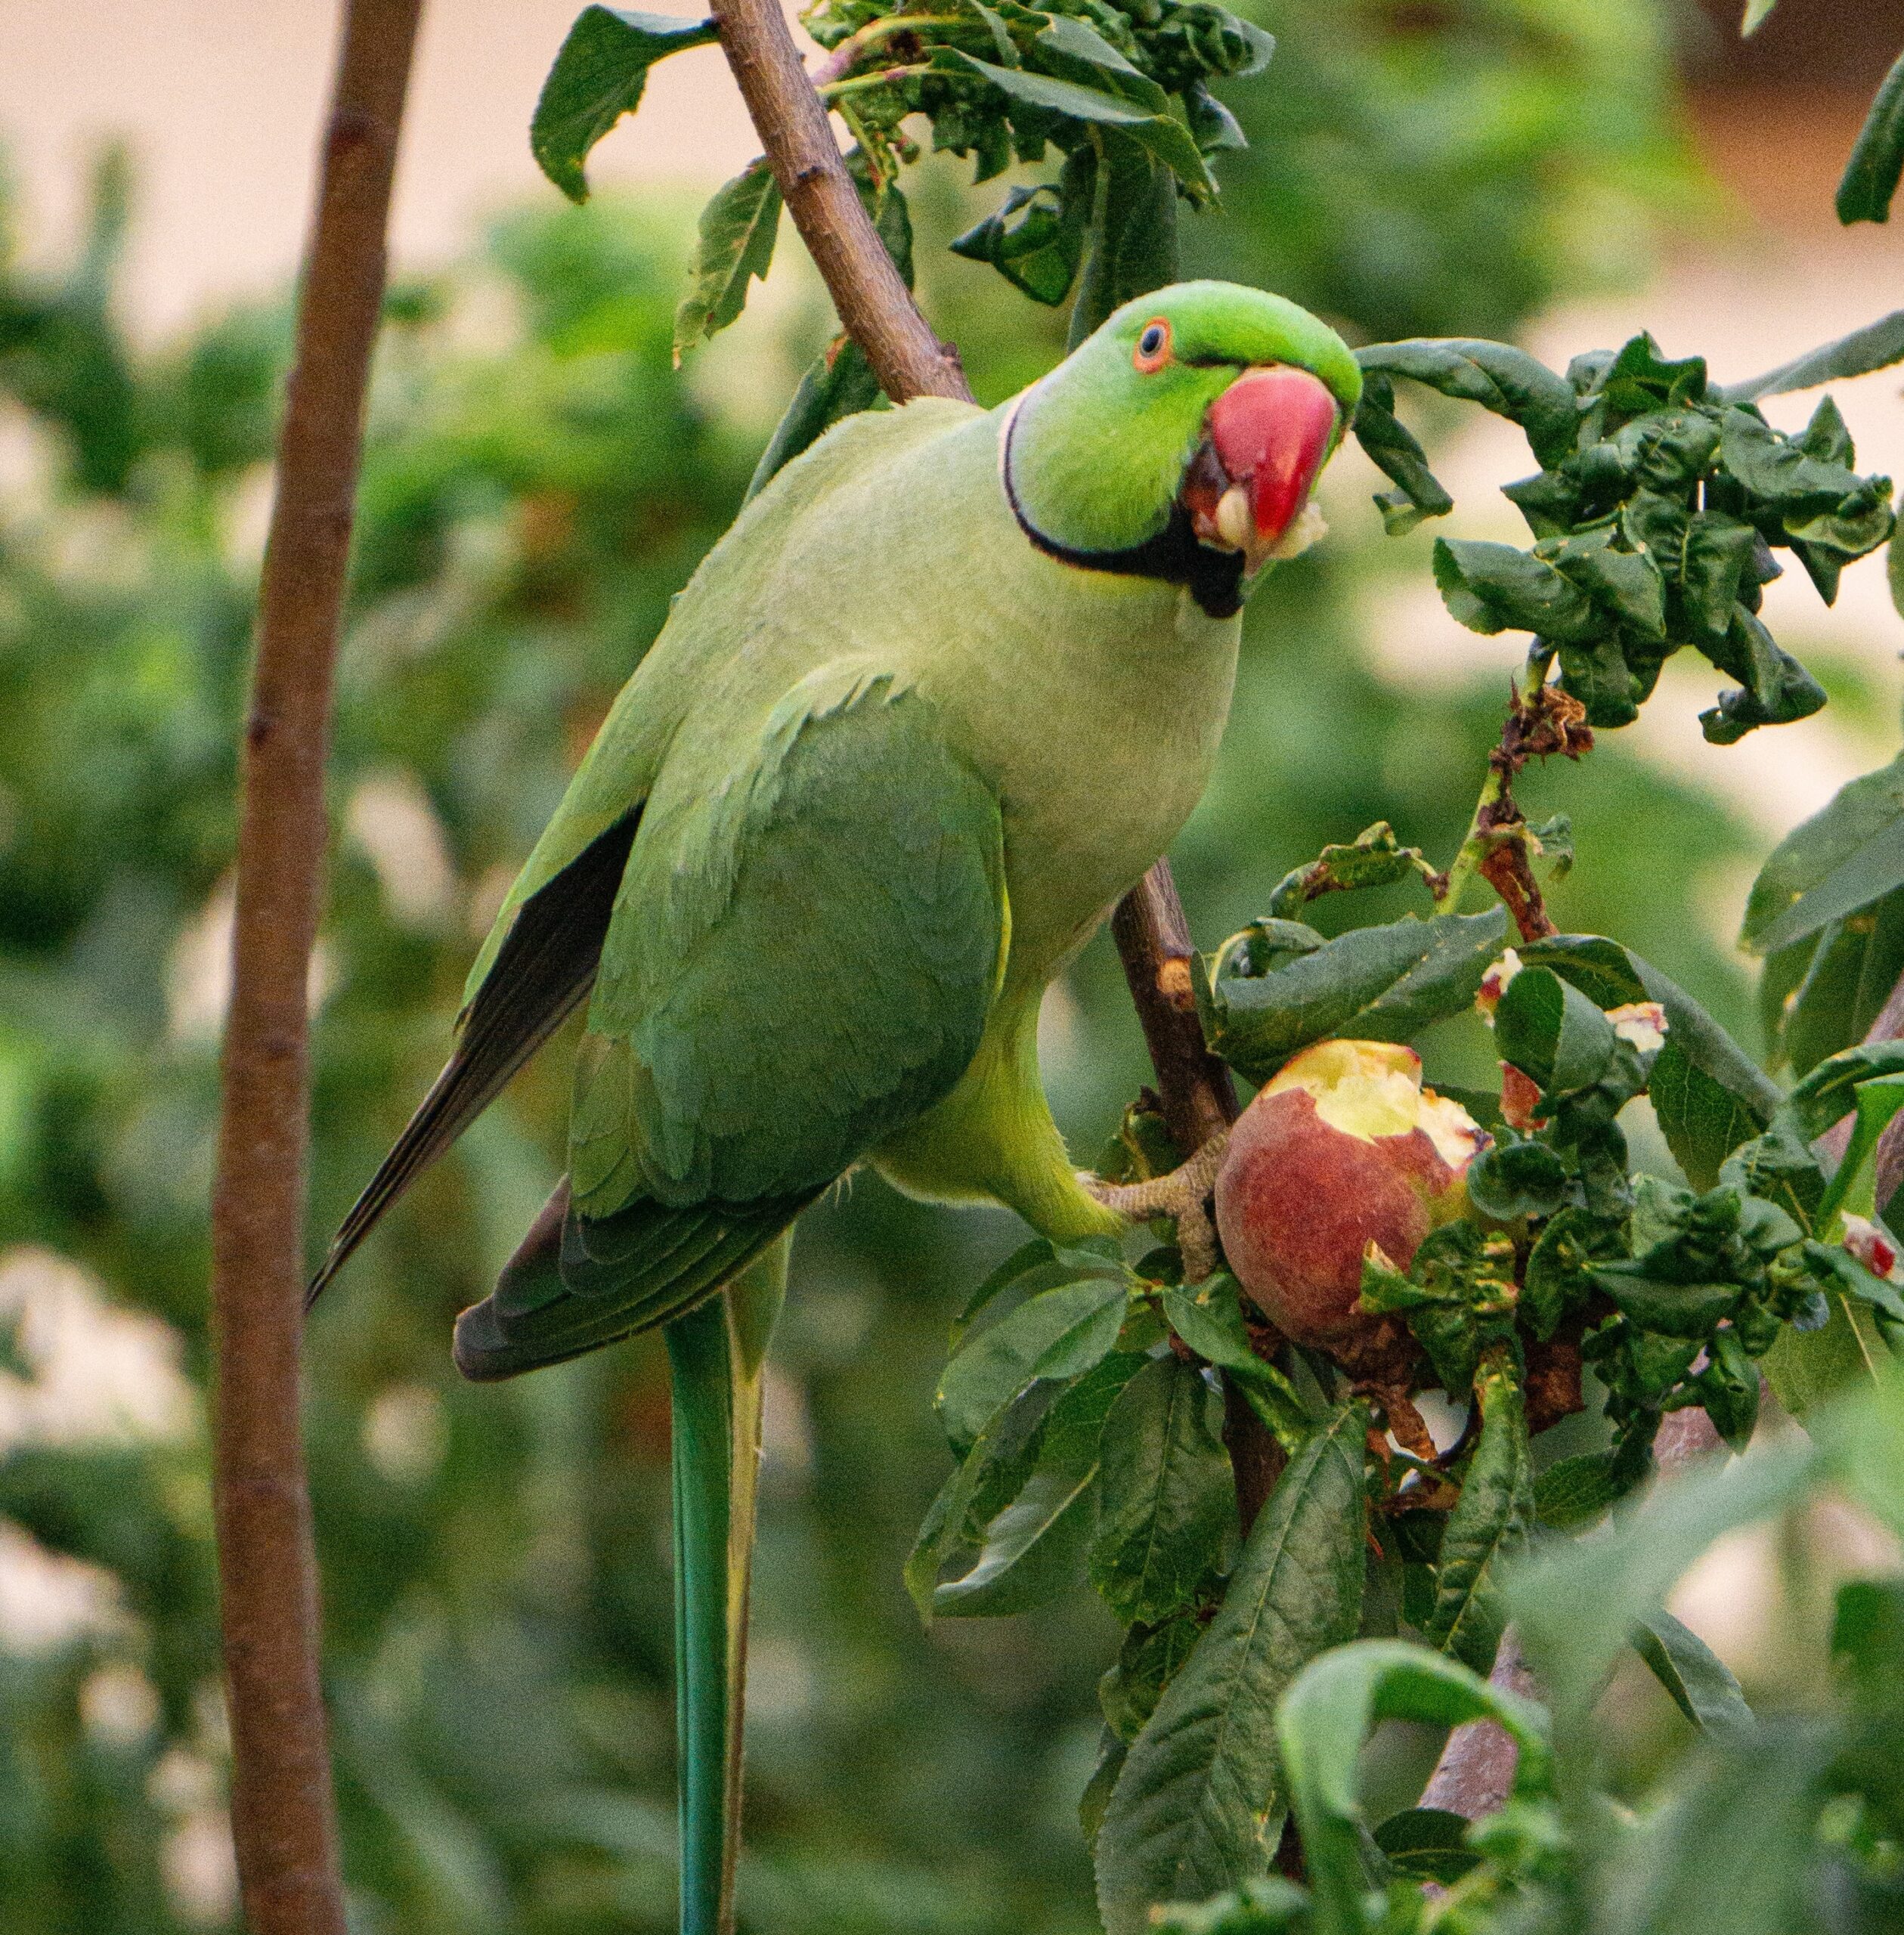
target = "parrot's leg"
x: 717, y: 1355
x: 1183, y: 1193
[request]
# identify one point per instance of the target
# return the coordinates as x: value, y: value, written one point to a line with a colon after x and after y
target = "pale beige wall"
x: 220, y: 100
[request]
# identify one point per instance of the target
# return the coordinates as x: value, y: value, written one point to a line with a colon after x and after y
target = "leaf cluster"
x: 1767, y: 1826
x: 1673, y: 1295
x: 1120, y: 94
x: 1659, y: 502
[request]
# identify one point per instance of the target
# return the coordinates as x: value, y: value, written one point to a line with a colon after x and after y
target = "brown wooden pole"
x: 283, y: 1818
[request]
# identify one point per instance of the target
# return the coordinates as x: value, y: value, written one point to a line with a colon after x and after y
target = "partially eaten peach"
x: 1342, y: 1149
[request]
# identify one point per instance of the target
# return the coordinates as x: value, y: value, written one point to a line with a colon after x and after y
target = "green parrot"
x: 947, y: 688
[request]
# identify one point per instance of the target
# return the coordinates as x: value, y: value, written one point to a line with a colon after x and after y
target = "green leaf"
x: 1702, y: 1120
x: 1400, y: 457
x: 1490, y: 1523
x: 1327, y: 1719
x: 1729, y: 1387
x: 1167, y: 1497
x: 1057, y: 1334
x: 1779, y: 1168
x: 1829, y: 1092
x: 734, y: 246
x: 1458, y: 1296
x: 1757, y: 12
x: 1871, y: 175
x: 1209, y: 1320
x: 1200, y: 1802
x: 1780, y: 469
x: 1132, y: 243
x: 1777, y: 689
x: 1427, y: 1844
x: 840, y: 383
x: 1035, y: 241
x: 1868, y: 1632
x: 1822, y: 995
x: 1849, y: 853
x: 1375, y: 858
x: 1866, y: 1441
x: 1714, y: 554
x: 1552, y: 1032
x: 1640, y: 380
x: 1040, y: 1255
x: 1708, y: 1093
x: 1626, y: 585
x: 1558, y: 1277
x: 1701, y: 1683
x: 1493, y: 588
x: 1380, y: 983
x: 1066, y: 35
x: 1877, y: 1101
x: 1576, y: 1607
x: 1506, y: 380
x: 989, y: 1474
x: 1034, y: 1549
x: 1160, y: 133
x: 1578, y: 1491
x: 1516, y: 1179
x: 598, y: 77
x: 1147, y: 1661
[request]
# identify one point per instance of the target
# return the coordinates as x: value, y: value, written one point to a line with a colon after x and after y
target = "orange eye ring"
x: 1152, y: 350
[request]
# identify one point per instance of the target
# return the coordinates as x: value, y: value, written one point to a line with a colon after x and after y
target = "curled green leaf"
x: 1871, y: 175
x: 598, y: 76
x: 734, y: 246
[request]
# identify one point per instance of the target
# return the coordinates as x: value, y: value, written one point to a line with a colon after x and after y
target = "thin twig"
x: 284, y: 1819
x: 1547, y: 721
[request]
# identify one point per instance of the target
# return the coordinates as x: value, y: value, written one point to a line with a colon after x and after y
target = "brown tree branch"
x: 282, y: 1814
x: 1198, y: 1099
x: 873, y: 302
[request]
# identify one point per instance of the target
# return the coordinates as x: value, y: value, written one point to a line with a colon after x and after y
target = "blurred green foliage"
x: 539, y: 481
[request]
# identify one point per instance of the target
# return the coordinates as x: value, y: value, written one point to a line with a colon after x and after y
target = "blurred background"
x: 538, y: 481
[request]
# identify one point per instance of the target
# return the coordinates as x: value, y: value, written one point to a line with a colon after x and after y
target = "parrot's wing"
x: 540, y: 966
x: 802, y: 959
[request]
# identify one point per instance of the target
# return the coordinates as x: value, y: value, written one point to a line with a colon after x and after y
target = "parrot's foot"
x: 1184, y: 1194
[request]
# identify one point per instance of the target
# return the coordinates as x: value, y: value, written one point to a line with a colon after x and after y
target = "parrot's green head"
x: 1182, y: 439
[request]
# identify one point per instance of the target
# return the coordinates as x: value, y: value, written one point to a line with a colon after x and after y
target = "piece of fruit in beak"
x: 1270, y: 434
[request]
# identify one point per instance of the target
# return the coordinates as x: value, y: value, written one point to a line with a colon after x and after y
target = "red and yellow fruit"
x: 1343, y: 1149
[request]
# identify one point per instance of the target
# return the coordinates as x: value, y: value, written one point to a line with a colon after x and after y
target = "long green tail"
x: 718, y: 1353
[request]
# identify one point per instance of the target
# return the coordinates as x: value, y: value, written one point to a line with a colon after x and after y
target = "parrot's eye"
x: 1153, y: 346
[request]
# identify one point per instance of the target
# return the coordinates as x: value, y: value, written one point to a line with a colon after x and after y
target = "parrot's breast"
x: 1093, y: 703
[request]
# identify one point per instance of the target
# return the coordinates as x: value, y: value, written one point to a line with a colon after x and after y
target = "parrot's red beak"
x: 1269, y: 434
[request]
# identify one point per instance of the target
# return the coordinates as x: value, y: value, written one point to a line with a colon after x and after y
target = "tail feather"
x: 717, y: 1356
x: 543, y: 971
